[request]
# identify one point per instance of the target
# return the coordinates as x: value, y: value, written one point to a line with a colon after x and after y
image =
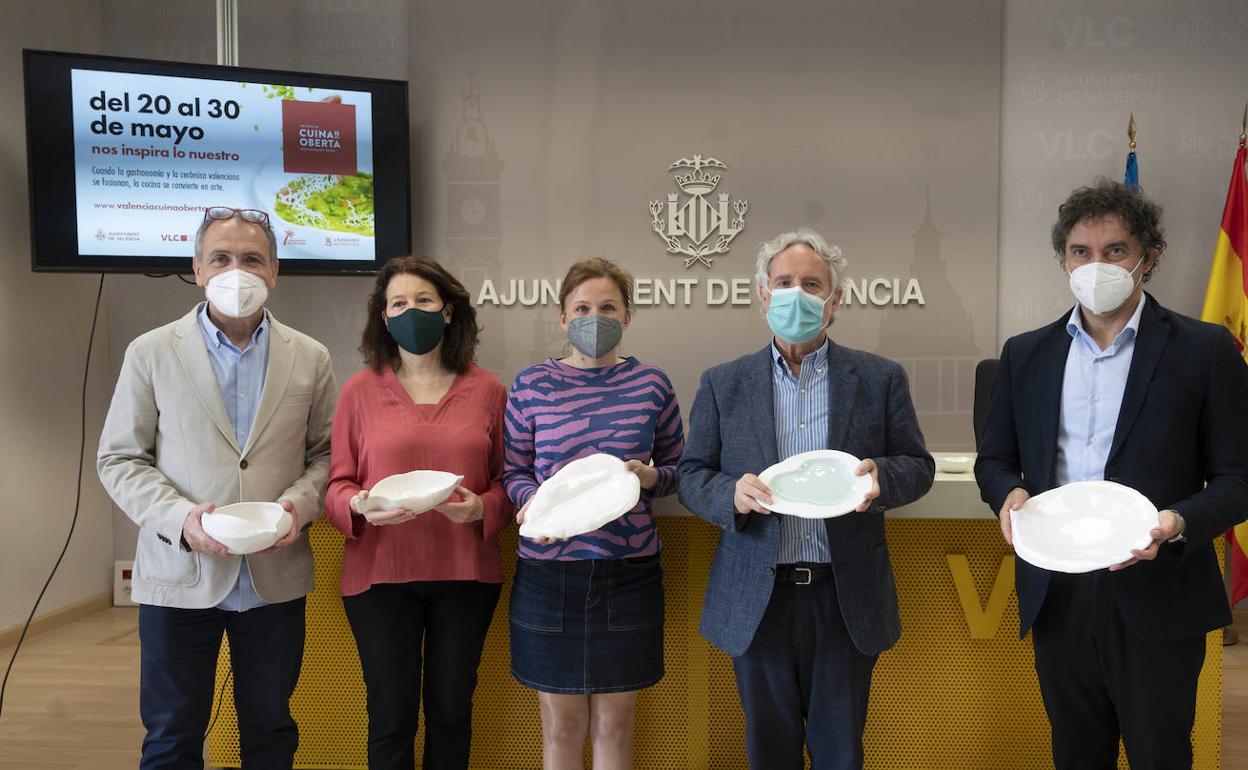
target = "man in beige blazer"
x: 224, y: 405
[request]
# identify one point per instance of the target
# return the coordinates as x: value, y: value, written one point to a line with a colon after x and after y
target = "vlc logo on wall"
x: 691, y: 222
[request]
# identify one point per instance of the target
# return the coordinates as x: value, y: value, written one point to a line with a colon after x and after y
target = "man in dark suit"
x: 803, y: 606
x: 1121, y: 389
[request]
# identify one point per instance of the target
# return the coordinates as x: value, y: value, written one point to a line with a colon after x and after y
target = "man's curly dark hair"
x: 1105, y: 197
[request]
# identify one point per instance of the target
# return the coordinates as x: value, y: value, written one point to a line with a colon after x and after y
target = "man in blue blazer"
x: 1121, y: 389
x: 803, y: 606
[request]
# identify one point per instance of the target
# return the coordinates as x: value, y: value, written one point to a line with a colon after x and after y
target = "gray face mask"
x: 595, y: 335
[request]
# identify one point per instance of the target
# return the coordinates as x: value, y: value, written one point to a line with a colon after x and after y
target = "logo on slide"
x: 318, y: 138
x: 688, y: 224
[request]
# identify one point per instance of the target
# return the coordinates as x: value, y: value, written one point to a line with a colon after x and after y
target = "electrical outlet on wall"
x: 121, y: 584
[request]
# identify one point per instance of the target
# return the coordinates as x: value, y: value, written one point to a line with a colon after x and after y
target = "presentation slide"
x: 151, y: 152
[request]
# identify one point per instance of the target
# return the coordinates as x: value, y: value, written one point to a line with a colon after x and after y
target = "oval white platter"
x: 1083, y: 526
x: 816, y: 485
x: 581, y: 497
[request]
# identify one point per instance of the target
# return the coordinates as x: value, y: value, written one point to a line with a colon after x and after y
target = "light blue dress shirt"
x: 802, y: 408
x: 240, y: 376
x: 1092, y: 391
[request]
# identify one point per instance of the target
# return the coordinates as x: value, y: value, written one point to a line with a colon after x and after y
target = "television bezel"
x: 50, y: 161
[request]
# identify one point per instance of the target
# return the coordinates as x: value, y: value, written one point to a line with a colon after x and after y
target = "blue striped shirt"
x: 802, y: 409
x: 1092, y: 389
x: 240, y: 376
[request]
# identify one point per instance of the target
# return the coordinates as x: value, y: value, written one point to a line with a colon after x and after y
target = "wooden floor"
x: 73, y: 698
x: 1235, y: 699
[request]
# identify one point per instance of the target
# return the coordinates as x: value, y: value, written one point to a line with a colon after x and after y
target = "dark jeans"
x: 179, y: 651
x: 1099, y: 680
x: 802, y: 680
x: 390, y: 623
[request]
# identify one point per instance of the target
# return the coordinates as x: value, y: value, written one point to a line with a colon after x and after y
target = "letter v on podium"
x: 982, y: 621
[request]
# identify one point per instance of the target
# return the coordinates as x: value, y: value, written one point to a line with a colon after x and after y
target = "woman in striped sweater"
x: 587, y: 612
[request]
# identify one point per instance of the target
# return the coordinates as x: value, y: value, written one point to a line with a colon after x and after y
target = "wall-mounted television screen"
x: 125, y: 155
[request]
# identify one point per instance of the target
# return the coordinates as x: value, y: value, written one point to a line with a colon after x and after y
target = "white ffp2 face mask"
x: 1102, y: 287
x: 237, y: 293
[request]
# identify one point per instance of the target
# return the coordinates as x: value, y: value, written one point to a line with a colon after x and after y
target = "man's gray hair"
x: 204, y: 225
x: 837, y: 264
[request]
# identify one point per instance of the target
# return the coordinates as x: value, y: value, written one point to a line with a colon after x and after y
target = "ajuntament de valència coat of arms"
x: 695, y: 226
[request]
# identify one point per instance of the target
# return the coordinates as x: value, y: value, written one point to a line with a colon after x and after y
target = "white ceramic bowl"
x: 418, y: 491
x: 581, y: 497
x: 1083, y: 526
x: 816, y: 485
x: 946, y: 463
x: 247, y: 527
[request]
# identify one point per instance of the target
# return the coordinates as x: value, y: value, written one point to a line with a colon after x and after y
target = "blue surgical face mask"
x: 795, y: 316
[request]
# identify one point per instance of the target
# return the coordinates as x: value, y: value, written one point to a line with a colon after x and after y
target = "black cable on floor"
x: 82, y: 449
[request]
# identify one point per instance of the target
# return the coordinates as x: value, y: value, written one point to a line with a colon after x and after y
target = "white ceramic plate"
x: 1083, y: 526
x: 247, y: 527
x: 581, y: 497
x: 418, y: 491
x: 816, y: 485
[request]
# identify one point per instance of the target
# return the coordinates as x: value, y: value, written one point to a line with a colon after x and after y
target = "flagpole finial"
x: 1131, y: 132
x: 1243, y: 127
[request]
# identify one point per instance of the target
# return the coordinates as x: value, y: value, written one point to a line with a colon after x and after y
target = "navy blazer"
x: 732, y: 431
x: 1181, y: 439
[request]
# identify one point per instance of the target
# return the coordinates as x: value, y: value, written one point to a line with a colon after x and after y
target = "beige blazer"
x: 167, y: 446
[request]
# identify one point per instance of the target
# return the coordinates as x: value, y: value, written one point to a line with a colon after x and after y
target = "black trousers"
x: 421, y: 638
x: 1099, y: 681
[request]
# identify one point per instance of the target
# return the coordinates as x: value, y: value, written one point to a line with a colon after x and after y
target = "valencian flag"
x: 1132, y: 176
x: 1226, y: 303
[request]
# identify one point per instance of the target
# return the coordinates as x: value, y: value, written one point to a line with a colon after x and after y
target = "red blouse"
x: 378, y: 432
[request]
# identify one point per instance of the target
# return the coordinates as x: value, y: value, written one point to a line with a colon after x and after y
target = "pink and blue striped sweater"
x: 557, y: 413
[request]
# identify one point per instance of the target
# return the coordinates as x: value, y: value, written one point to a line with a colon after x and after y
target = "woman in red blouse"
x: 434, y: 577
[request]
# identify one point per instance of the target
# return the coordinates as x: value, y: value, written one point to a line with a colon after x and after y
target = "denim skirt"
x: 589, y: 626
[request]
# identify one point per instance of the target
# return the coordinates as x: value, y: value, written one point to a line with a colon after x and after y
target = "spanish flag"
x: 1226, y: 303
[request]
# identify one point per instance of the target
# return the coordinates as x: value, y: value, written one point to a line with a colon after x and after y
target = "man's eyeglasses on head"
x: 255, y: 216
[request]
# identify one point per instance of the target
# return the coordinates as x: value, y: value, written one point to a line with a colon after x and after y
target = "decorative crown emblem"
x: 690, y: 223
x: 699, y: 182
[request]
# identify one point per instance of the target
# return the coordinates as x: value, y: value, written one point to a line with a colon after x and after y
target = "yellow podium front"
x: 958, y: 692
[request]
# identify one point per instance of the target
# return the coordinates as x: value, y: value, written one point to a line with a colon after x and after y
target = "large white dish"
x: 584, y: 495
x: 1083, y: 526
x: 816, y: 485
x: 418, y: 491
x: 247, y: 527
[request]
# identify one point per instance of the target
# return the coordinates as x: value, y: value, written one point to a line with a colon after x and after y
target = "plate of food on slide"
x: 1083, y: 526
x: 581, y: 497
x: 416, y: 491
x: 316, y: 205
x: 816, y: 485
